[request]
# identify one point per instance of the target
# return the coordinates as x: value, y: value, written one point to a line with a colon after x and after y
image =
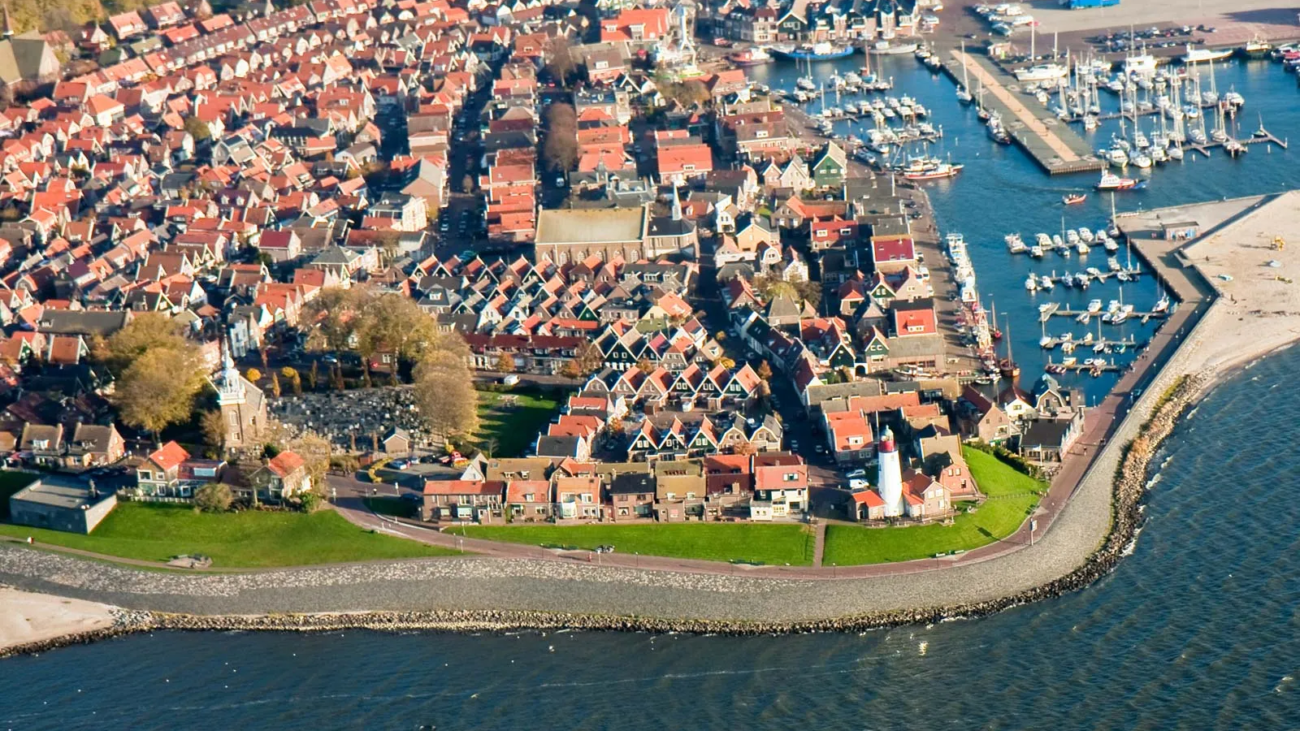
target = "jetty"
x: 1047, y: 312
x: 1051, y: 143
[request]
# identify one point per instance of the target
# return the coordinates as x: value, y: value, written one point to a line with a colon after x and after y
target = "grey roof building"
x: 61, y: 504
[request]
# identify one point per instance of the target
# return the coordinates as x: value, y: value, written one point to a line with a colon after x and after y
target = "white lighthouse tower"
x: 889, y: 475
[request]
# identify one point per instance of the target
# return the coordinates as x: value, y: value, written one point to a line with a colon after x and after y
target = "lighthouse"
x: 889, y: 475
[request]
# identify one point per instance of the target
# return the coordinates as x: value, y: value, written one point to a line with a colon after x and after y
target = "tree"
x: 765, y: 371
x: 313, y: 374
x: 560, y: 149
x: 146, y: 332
x: 158, y: 389
x: 726, y: 362
x: 559, y: 60
x: 213, y: 498
x: 213, y: 428
x: 275, y: 384
x: 506, y: 363
x: 197, y: 128
x: 645, y: 366
x: 253, y: 375
x: 570, y: 369
x: 589, y: 359
x: 295, y: 381
x: 444, y: 392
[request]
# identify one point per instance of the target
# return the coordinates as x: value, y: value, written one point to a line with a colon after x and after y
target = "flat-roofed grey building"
x: 61, y: 504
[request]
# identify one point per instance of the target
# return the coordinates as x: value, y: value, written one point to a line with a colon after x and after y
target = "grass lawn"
x: 770, y: 544
x: 233, y: 540
x: 515, y: 428
x: 1012, y: 494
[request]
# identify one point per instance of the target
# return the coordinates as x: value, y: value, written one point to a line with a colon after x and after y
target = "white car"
x: 858, y: 484
x: 858, y: 474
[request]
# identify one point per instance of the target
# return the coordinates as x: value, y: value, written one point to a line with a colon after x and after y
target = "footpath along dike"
x: 1130, y: 483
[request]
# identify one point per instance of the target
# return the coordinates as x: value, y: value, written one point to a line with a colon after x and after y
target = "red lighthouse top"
x: 887, y: 440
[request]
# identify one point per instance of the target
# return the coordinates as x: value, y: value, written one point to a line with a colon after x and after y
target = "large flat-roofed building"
x: 569, y: 235
x: 61, y: 504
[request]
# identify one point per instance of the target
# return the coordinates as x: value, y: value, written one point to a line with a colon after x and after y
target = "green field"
x: 513, y: 428
x: 1012, y: 496
x: 250, y: 539
x: 769, y: 544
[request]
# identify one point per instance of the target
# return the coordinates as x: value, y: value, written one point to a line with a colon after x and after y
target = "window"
x: 790, y: 477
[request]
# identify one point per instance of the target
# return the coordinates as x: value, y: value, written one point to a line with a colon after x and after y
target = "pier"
x: 1099, y: 346
x: 1047, y: 312
x: 1052, y: 144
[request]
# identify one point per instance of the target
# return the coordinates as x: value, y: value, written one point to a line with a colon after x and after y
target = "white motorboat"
x: 1094, y: 306
x: 1031, y: 283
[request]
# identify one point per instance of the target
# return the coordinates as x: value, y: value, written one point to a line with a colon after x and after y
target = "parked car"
x: 858, y: 484
x: 399, y: 464
x: 857, y: 474
x: 510, y: 380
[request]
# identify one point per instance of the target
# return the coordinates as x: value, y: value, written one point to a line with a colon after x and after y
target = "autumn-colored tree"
x: 197, y: 128
x: 253, y: 375
x: 213, y: 428
x: 645, y: 366
x: 158, y: 389
x: 144, y: 333
x: 726, y: 362
x: 275, y: 384
x: 765, y: 371
x: 313, y: 374
x: 506, y: 363
x: 589, y: 359
x: 295, y: 381
x: 444, y: 392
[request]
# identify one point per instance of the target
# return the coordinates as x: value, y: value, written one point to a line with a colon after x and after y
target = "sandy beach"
x: 27, y: 618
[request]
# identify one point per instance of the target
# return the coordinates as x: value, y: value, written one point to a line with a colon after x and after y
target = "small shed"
x: 397, y: 442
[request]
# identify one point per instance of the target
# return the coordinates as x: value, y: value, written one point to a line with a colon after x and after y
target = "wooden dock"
x: 1051, y: 143
x: 1124, y: 343
x: 1267, y: 139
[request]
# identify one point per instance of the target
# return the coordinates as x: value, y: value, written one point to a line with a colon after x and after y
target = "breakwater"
x: 1130, y: 483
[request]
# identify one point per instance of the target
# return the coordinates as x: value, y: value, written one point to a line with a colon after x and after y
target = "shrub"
x: 214, y: 498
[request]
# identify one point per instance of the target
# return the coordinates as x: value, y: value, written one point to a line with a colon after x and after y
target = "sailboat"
x: 994, y: 332
x: 1007, y: 367
x: 963, y: 91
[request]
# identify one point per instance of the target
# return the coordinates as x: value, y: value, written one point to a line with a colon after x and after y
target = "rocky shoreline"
x: 1128, y: 490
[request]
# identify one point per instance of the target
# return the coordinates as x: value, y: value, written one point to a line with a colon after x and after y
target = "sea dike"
x: 1129, y: 487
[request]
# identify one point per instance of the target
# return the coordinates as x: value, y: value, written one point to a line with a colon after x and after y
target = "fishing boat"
x: 1071, y: 199
x: 1255, y: 48
x: 755, y: 56
x: 932, y: 171
x: 1203, y: 55
x: 1111, y: 181
x: 812, y: 52
x: 1042, y: 72
x: 885, y: 48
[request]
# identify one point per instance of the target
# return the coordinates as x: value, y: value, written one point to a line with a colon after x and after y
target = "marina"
x: 1054, y: 146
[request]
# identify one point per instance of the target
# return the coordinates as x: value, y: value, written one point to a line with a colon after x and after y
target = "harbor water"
x: 1195, y: 630
x: 1002, y: 190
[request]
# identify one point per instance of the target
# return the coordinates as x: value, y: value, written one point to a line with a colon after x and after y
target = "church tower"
x: 243, y: 405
